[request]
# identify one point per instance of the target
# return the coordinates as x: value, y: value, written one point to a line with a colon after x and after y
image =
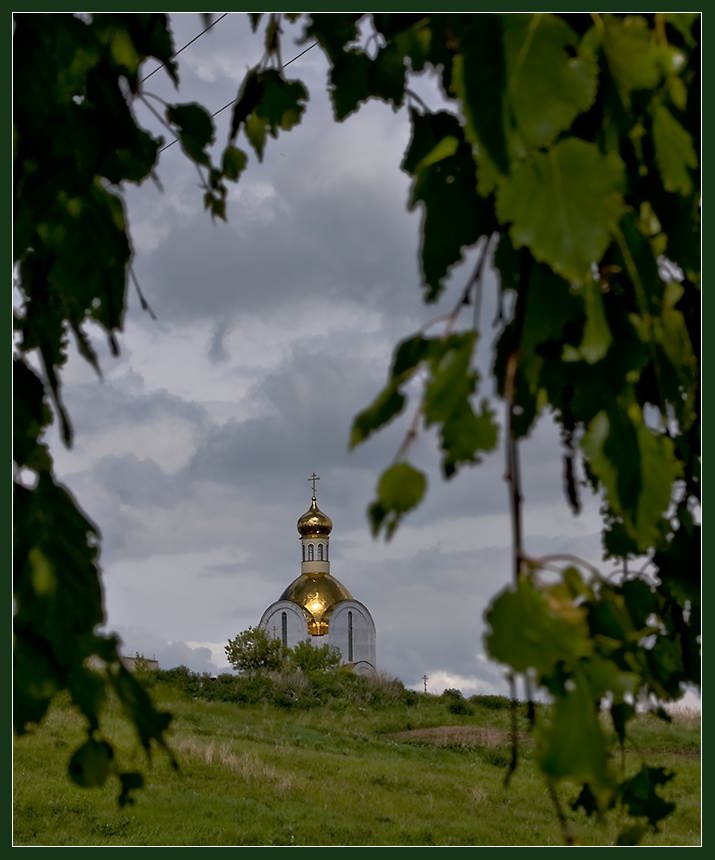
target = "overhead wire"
x: 233, y: 101
x: 212, y: 24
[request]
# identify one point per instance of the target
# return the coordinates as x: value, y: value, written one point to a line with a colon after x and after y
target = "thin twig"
x: 158, y: 98
x: 478, y: 287
x: 566, y: 831
x: 513, y: 478
x: 514, y: 732
x: 144, y: 303
x: 413, y: 95
x: 411, y: 434
x: 543, y: 560
x: 160, y: 118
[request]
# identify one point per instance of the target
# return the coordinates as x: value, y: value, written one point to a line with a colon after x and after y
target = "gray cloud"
x: 274, y: 331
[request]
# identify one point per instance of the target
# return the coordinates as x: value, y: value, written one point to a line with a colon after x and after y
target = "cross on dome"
x: 313, y: 478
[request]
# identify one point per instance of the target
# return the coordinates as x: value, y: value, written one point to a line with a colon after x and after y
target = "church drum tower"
x: 317, y: 607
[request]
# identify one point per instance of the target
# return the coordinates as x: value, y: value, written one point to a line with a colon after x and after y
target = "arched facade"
x: 316, y: 606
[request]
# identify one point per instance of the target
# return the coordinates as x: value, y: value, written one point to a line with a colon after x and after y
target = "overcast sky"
x: 273, y: 330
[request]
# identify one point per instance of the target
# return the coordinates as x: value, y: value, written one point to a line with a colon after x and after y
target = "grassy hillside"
x: 384, y: 768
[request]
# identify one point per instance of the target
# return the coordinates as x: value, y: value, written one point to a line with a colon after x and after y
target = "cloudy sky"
x: 273, y: 330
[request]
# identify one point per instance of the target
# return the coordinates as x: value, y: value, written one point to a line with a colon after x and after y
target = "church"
x: 318, y: 607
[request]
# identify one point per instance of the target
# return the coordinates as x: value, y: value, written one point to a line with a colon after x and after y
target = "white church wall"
x: 291, y: 630
x: 352, y: 613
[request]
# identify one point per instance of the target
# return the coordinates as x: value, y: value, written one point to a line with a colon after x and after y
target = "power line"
x: 233, y: 101
x: 212, y: 24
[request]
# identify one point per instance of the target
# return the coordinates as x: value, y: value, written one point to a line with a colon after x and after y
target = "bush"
x: 492, y: 703
x: 292, y: 688
x: 460, y: 706
x: 309, y: 658
x: 451, y: 693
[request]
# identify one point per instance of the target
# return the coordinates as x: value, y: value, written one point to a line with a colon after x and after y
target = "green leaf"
x: 452, y: 381
x: 249, y: 96
x: 605, y: 677
x: 282, y: 102
x: 621, y: 713
x: 480, y: 75
x: 596, y: 333
x: 31, y: 415
x: 256, y: 134
x: 631, y: 53
x: 333, y: 31
x: 674, y: 152
x: 551, y: 78
x: 533, y: 629
x: 641, y: 798
x: 452, y: 378
x: 455, y: 217
x: 446, y: 147
x: 683, y: 23
x: 580, y: 189
x: 89, y: 765
x: 349, y: 82
x: 400, y: 489
x: 386, y: 406
x: 255, y: 19
x: 572, y: 744
x: 636, y: 466
x: 387, y: 75
x: 234, y: 162
x: 466, y: 435
x: 409, y: 354
x: 195, y: 128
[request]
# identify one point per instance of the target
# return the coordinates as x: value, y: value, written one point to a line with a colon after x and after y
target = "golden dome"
x: 317, y: 594
x: 314, y: 521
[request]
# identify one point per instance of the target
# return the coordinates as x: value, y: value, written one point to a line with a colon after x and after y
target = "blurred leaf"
x: 480, y: 80
x: 636, y: 466
x: 130, y: 781
x: 349, y: 82
x: 195, y: 129
x: 89, y: 766
x: 256, y: 133
x: 572, y: 743
x: 631, y: 53
x: 454, y: 215
x: 641, y: 798
x: 531, y: 630
x: 621, y: 713
x: 674, y: 151
x: 400, y: 489
x: 234, y: 162
x: 551, y: 78
x: 631, y: 835
x: 333, y: 32
x: 596, y: 333
x: 581, y: 191
x: 386, y: 406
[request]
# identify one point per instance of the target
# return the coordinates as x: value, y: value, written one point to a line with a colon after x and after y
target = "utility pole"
x: 424, y: 679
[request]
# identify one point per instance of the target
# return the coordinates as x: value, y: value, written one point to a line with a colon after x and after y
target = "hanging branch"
x: 474, y: 284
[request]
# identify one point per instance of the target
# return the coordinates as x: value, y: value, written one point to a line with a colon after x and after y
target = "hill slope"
x: 338, y: 774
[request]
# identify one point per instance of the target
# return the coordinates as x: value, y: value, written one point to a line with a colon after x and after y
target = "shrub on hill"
x: 294, y: 688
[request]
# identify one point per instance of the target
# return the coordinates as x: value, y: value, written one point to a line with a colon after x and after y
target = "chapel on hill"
x: 318, y: 607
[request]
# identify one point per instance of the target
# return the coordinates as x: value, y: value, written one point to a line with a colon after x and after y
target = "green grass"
x: 266, y: 775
